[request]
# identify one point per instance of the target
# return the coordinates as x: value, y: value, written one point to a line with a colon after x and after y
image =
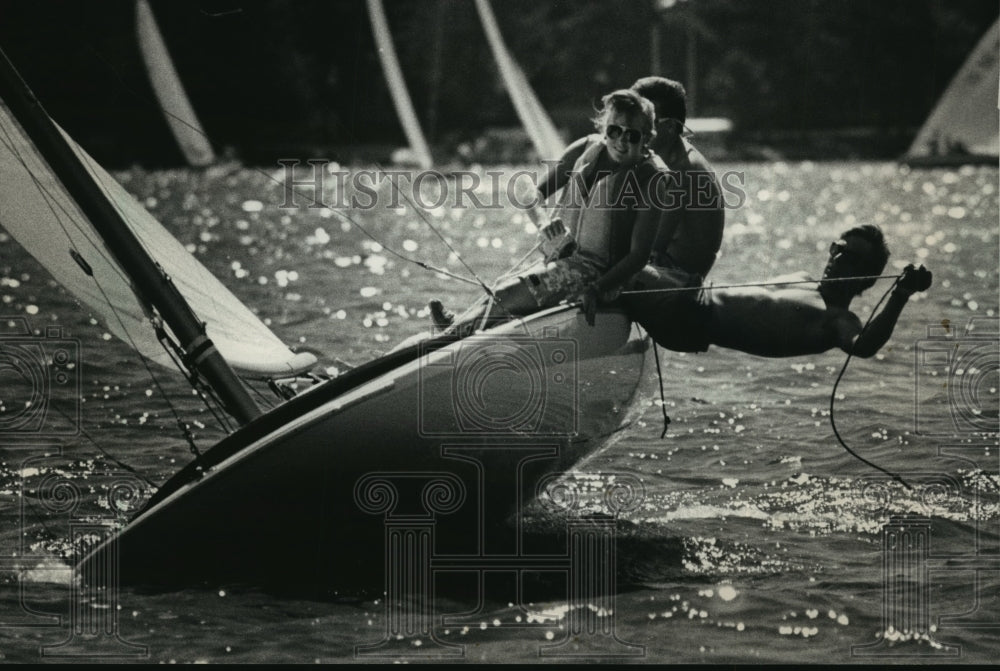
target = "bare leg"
x: 513, y: 299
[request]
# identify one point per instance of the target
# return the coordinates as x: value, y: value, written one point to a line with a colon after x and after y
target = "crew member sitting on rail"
x: 607, y: 206
x: 690, y: 230
x: 693, y: 216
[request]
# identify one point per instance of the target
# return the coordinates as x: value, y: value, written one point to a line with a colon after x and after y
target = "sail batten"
x: 45, y: 220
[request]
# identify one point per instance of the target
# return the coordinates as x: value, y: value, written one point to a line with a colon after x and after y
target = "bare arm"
x: 643, y: 232
x: 557, y: 174
x: 669, y: 220
x: 866, y: 343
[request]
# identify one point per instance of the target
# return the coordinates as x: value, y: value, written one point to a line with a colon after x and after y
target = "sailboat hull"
x: 459, y: 437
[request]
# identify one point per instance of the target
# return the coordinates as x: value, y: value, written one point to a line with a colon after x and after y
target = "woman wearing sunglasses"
x: 607, y: 207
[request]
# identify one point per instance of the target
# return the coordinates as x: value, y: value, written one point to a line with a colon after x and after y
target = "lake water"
x: 758, y: 537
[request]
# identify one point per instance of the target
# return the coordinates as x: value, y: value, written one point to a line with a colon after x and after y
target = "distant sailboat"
x: 275, y: 501
x: 548, y: 143
x: 965, y: 124
x: 169, y: 90
x: 397, y: 85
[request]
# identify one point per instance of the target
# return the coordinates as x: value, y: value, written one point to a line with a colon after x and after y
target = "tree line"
x: 275, y: 76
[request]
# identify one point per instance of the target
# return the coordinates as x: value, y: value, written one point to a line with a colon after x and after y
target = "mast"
x: 150, y: 283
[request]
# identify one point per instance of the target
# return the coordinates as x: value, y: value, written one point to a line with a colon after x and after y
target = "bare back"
x: 779, y: 322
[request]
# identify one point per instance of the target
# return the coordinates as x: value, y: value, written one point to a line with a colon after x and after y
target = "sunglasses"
x: 632, y: 136
x: 840, y: 247
x: 677, y: 124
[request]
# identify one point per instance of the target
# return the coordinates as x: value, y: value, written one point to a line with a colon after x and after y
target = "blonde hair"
x: 628, y: 102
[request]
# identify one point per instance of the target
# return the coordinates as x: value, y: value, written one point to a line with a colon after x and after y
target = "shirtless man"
x: 793, y: 320
x: 690, y: 230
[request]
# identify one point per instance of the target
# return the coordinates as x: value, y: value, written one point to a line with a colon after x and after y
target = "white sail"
x: 44, y: 219
x: 548, y: 143
x: 169, y: 91
x: 397, y: 86
x: 965, y: 119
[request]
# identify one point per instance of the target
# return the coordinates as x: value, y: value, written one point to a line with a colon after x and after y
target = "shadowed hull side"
x: 487, y: 418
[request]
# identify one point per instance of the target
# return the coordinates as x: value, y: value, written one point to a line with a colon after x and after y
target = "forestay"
x: 44, y: 219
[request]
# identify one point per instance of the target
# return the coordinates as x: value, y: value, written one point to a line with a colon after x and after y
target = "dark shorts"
x: 676, y: 320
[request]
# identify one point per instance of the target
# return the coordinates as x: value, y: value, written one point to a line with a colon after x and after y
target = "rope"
x: 833, y: 396
x: 761, y: 284
x: 663, y: 398
x: 474, y: 280
x: 514, y: 268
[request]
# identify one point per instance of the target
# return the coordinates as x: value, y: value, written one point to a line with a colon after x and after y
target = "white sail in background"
x: 536, y: 121
x: 965, y: 119
x: 39, y: 213
x: 397, y: 85
x: 169, y: 90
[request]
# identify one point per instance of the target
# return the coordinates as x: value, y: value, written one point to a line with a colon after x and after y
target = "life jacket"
x: 600, y: 210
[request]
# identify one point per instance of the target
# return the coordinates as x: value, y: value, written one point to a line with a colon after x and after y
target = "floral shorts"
x: 561, y: 280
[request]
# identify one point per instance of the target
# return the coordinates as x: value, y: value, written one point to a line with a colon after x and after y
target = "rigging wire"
x: 52, y: 202
x: 207, y: 394
x: 204, y: 391
x: 193, y: 378
x: 192, y: 375
x: 833, y: 392
x: 166, y: 342
x: 474, y: 280
x: 663, y: 398
x: 191, y: 372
